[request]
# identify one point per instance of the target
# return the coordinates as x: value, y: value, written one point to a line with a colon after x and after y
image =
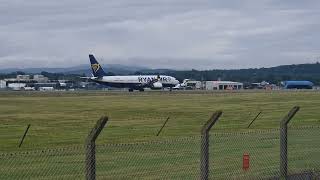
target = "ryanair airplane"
x: 132, y: 82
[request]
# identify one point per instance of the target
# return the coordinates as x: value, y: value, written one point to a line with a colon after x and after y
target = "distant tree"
x: 138, y: 73
x: 274, y: 75
x: 20, y: 73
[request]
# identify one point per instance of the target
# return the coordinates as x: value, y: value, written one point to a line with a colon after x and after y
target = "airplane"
x: 133, y: 82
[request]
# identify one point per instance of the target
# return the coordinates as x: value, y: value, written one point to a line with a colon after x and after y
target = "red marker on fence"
x: 246, y: 161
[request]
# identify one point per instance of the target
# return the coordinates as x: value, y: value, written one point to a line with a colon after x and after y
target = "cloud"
x: 180, y: 34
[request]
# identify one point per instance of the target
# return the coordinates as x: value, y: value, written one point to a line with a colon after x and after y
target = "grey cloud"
x: 159, y: 33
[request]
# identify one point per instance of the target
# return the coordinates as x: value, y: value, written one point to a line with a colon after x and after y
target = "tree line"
x: 273, y: 75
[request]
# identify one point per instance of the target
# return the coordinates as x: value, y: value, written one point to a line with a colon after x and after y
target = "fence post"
x: 24, y: 135
x: 255, y: 118
x: 204, y: 154
x: 284, y: 142
x: 91, y: 148
x: 163, y: 126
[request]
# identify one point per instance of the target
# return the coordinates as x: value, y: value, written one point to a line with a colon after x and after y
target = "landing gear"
x: 131, y: 90
x: 170, y: 89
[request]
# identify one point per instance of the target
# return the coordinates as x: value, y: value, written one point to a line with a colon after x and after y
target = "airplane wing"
x: 87, y: 77
x: 91, y: 78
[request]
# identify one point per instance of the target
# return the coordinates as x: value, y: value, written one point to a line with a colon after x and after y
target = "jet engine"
x: 157, y: 85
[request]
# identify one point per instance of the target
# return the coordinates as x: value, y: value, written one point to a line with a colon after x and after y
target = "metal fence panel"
x: 303, y: 150
x: 176, y: 158
x: 172, y: 159
x: 227, y: 150
x: 65, y: 163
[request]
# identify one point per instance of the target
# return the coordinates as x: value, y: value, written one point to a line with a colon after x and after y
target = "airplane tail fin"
x: 97, y: 70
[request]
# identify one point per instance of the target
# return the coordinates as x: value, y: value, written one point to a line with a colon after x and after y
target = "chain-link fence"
x: 304, y: 150
x: 175, y: 158
x: 263, y: 148
x: 65, y: 163
x: 171, y: 159
x: 227, y: 151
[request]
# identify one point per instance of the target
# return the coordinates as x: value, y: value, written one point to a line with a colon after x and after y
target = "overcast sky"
x: 179, y: 34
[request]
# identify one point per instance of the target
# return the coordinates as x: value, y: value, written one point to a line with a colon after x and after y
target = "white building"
x: 40, y: 78
x: 223, y: 85
x: 3, y: 84
x: 23, y: 77
x: 16, y: 86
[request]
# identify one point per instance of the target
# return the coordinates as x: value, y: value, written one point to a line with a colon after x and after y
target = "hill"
x: 275, y: 75
x: 80, y: 69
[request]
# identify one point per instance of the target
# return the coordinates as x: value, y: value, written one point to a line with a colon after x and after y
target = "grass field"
x: 64, y: 119
x: 60, y: 120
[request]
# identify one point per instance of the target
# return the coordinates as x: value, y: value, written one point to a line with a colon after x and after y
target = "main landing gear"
x: 141, y: 90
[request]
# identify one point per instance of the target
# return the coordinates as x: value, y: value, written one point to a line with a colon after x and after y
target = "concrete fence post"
x: 284, y: 142
x: 91, y: 148
x: 204, y: 151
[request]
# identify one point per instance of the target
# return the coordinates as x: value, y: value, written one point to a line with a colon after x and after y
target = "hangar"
x: 297, y: 84
x: 223, y: 85
x: 3, y: 84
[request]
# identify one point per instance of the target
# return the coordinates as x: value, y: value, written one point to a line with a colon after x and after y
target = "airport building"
x: 23, y: 77
x: 193, y: 85
x: 40, y: 78
x: 297, y: 84
x: 38, y: 82
x: 47, y: 85
x: 17, y: 83
x: 223, y: 85
x: 17, y: 86
x: 3, y: 84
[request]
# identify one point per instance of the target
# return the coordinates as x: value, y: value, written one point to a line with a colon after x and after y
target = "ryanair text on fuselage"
x: 150, y: 79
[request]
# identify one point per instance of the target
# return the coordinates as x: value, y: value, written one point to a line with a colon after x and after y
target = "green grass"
x: 63, y: 120
x: 172, y: 159
x: 59, y: 119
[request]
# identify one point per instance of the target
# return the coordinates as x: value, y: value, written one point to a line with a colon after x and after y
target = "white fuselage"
x: 134, y: 81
